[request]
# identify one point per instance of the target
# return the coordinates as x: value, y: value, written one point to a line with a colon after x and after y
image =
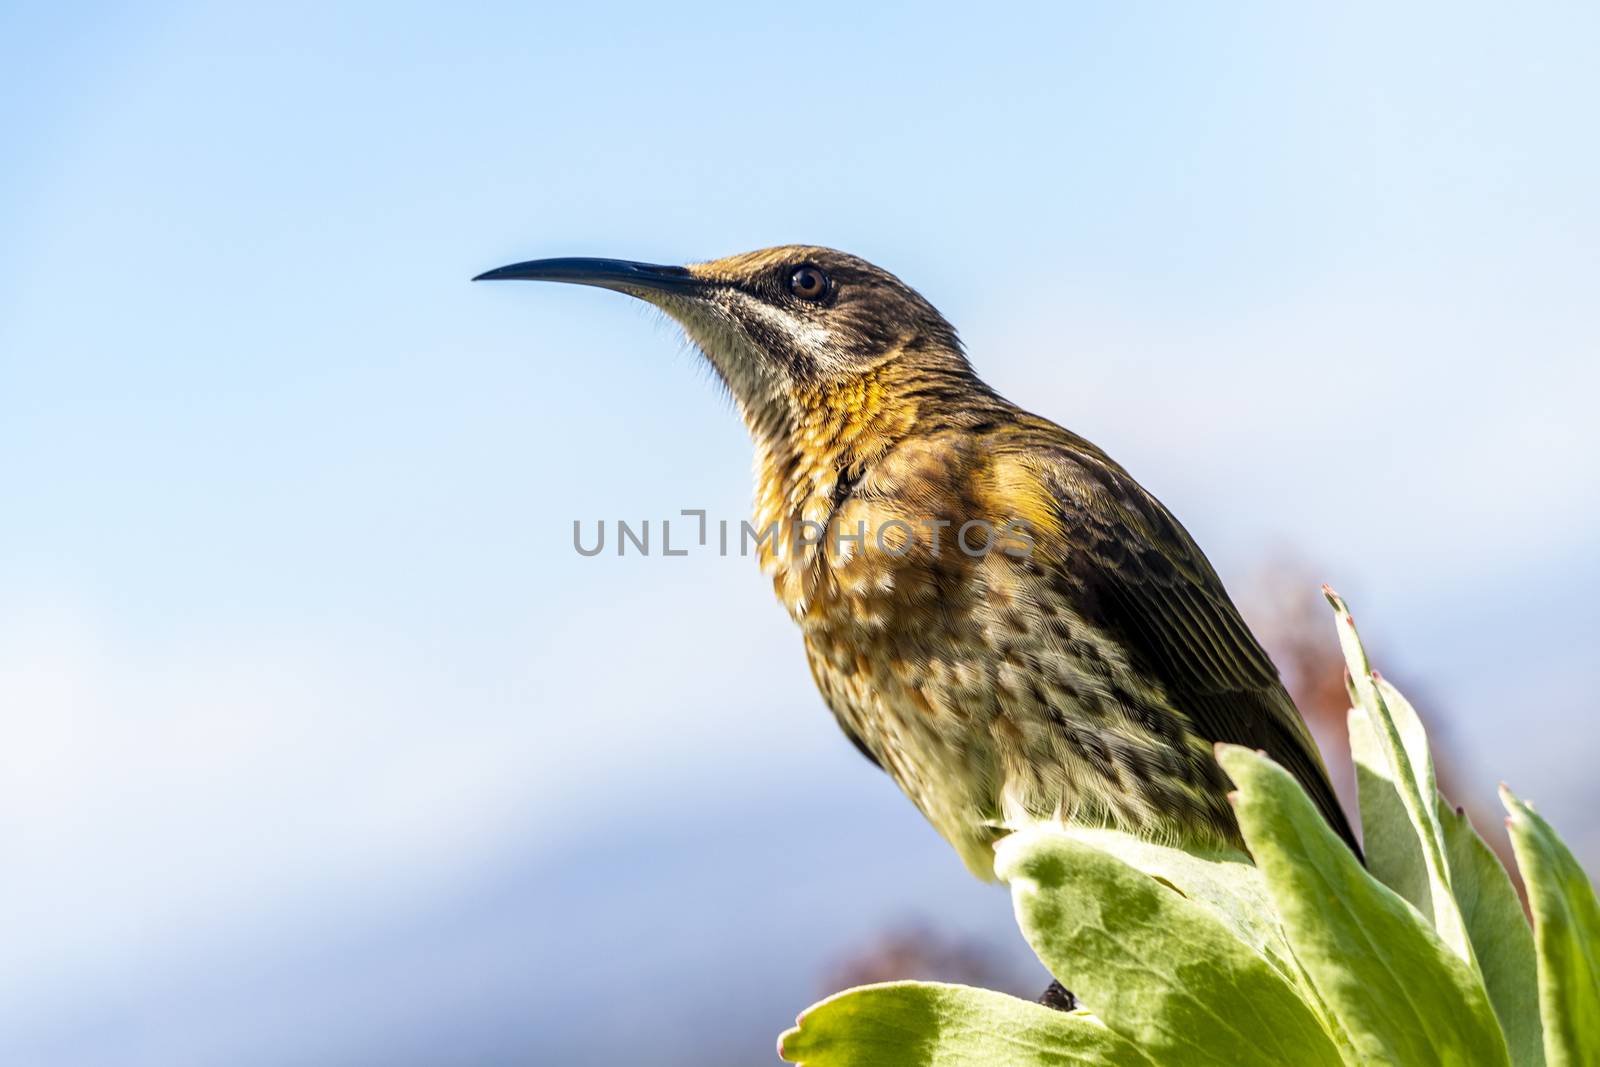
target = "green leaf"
x: 1482, y: 896
x: 1388, y: 835
x: 1400, y: 994
x: 1224, y: 882
x: 1391, y: 750
x: 1566, y: 927
x: 928, y: 1024
x: 1161, y: 970
x: 1501, y: 937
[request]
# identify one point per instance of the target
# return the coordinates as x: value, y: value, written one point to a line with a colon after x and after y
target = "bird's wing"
x: 1141, y: 578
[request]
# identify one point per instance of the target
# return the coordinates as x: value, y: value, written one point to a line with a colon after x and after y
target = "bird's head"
x: 784, y: 326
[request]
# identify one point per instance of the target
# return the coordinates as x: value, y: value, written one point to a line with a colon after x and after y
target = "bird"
x: 996, y: 613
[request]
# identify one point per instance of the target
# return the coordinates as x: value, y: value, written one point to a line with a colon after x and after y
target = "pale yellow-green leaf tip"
x: 1515, y: 806
x: 1012, y: 851
x: 1235, y: 759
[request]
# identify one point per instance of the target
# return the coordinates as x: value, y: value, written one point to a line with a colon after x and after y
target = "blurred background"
x: 320, y: 743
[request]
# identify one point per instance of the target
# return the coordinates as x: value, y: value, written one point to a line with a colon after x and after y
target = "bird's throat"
x: 828, y: 434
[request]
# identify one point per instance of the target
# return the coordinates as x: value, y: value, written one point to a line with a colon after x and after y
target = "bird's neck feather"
x: 822, y: 434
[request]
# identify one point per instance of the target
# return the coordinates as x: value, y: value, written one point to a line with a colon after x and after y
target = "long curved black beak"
x: 622, y: 275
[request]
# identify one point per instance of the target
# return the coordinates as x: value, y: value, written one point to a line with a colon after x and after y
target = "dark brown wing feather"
x: 1145, y: 582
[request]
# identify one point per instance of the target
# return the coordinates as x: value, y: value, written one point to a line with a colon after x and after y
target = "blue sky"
x: 321, y: 744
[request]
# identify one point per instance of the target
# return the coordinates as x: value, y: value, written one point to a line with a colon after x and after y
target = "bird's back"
x: 1085, y: 679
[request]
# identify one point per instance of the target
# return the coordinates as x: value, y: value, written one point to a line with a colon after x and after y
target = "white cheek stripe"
x: 809, y: 337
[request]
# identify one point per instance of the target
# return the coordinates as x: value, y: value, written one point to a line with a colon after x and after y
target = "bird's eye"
x: 808, y: 283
